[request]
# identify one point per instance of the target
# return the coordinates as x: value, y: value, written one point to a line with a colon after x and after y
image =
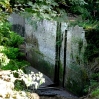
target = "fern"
x: 15, y: 40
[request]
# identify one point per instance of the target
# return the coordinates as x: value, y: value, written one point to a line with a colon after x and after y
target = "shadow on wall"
x: 32, y: 40
x: 19, y: 29
x: 31, y: 47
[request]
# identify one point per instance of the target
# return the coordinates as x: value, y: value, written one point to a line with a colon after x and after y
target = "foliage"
x: 93, y: 88
x: 17, y: 86
x: 80, y: 78
x: 49, y: 9
x: 8, y: 37
x: 77, y: 2
x: 15, y: 40
x: 12, y: 53
x: 91, y: 57
x: 32, y: 79
x: 92, y: 45
x: 93, y: 8
x: 3, y: 60
x: 9, y: 55
x: 4, y: 32
x: 41, y: 9
x: 10, y: 60
x: 89, y: 9
x: 4, y: 4
x: 44, y: 9
x: 88, y: 25
x: 95, y: 93
x: 15, y: 65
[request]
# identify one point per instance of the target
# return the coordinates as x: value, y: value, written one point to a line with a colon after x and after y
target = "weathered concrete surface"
x: 40, y: 39
x: 75, y: 68
x: 42, y: 36
x: 40, y: 45
x: 76, y: 44
x: 18, y: 23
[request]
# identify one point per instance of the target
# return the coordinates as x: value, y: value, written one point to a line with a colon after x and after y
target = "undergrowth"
x: 88, y: 25
x: 91, y: 58
x: 11, y: 58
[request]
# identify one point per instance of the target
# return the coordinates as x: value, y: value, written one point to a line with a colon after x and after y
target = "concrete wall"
x: 40, y: 45
x: 18, y: 23
x: 40, y: 38
x: 76, y: 44
x: 76, y: 75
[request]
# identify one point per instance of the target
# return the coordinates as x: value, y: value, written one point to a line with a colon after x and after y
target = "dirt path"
x: 50, y: 92
x: 56, y: 97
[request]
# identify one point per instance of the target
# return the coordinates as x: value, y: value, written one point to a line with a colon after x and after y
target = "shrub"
x: 8, y: 37
x: 3, y: 59
x: 95, y: 93
x: 15, y: 40
x: 32, y: 79
x: 11, y: 52
x: 15, y: 65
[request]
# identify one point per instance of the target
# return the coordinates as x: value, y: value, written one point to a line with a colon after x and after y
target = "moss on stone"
x: 61, y: 72
x: 37, y: 61
x: 37, y: 51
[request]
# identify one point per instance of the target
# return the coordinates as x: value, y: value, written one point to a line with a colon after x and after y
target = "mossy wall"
x: 36, y: 59
x: 75, y: 71
x: 84, y: 61
x: 40, y: 45
x: 40, y: 40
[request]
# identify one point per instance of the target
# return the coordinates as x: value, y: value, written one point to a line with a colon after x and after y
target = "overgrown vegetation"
x: 9, y: 46
x: 89, y: 20
x: 89, y: 71
x: 11, y: 58
x: 92, y: 61
x: 10, y: 55
x: 88, y: 10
